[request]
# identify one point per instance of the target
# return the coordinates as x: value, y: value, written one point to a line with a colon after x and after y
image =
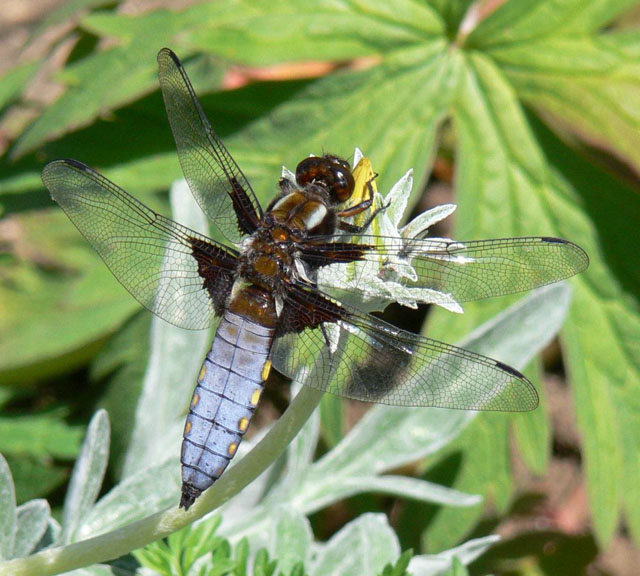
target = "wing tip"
x: 581, y: 262
x: 66, y: 162
x: 48, y: 175
x: 165, y: 53
x: 533, y: 399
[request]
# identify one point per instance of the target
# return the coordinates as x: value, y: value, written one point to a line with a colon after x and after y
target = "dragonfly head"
x: 330, y: 172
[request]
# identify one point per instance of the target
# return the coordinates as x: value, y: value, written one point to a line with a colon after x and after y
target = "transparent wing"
x: 167, y: 267
x: 363, y: 358
x: 464, y: 270
x: 216, y: 181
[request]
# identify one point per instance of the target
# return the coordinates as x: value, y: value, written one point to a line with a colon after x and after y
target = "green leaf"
x: 13, y: 81
x: 148, y: 491
x: 186, y: 548
x: 69, y: 10
x: 99, y: 570
x: 123, y: 75
x: 533, y: 430
x: 122, y: 363
x: 290, y: 540
x: 242, y: 558
x: 364, y: 546
x: 596, y: 14
x: 32, y: 522
x: 506, y: 187
x: 104, y: 81
x: 62, y: 300
x: 425, y: 76
x: 35, y: 477
x: 485, y: 467
x: 602, y: 339
x: 87, y: 476
x: 323, y: 30
x: 503, y: 191
x: 198, y: 541
x: 452, y: 13
x: 250, y: 33
x: 39, y: 435
x: 437, y: 564
x: 590, y: 85
x: 403, y: 487
x: 520, y: 21
x: 301, y: 451
x: 457, y: 568
x: 400, y: 567
x: 8, y: 516
x: 332, y: 411
x: 388, y: 438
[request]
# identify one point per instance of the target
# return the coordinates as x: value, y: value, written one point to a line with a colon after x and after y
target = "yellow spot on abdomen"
x: 243, y: 424
x: 255, y: 397
x: 232, y: 448
x: 266, y: 370
x: 203, y: 373
x: 187, y: 427
x: 195, y: 400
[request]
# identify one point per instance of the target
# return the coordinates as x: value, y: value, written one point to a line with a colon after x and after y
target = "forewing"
x: 160, y: 262
x: 464, y: 271
x: 366, y: 359
x: 216, y: 181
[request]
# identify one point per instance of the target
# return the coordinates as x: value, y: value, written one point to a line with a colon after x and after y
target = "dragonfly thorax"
x: 305, y: 212
x: 268, y: 257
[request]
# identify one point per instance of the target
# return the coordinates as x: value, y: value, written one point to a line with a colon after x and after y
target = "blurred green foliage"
x: 543, y: 100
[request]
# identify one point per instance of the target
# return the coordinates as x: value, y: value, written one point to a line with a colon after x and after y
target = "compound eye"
x: 343, y: 164
x: 343, y: 183
x: 308, y: 170
x: 330, y: 172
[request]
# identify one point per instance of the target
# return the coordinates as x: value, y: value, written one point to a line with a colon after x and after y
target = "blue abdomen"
x: 223, y: 403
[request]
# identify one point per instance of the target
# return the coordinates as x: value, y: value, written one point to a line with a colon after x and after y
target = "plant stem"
x: 138, y: 534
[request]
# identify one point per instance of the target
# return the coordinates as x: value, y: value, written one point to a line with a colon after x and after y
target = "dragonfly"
x: 262, y: 287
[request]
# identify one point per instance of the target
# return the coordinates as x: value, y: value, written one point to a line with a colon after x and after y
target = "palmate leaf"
x: 498, y: 158
x: 252, y: 32
x: 527, y: 20
x: 603, y: 340
x: 534, y: 194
